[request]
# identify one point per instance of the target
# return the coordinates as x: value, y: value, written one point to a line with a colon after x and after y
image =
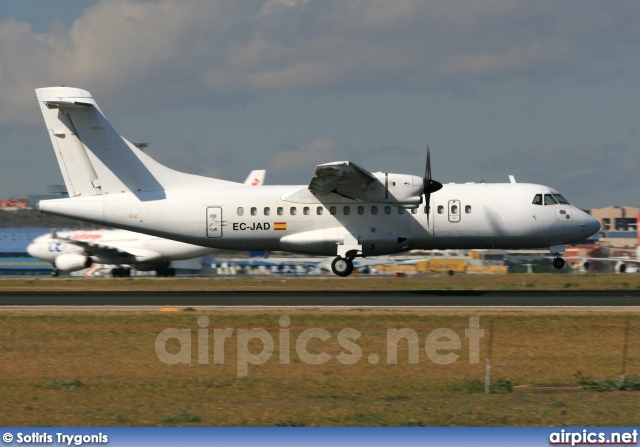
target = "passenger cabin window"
x: 549, y: 200
x: 280, y: 211
x: 454, y: 209
x: 254, y: 210
x: 267, y: 211
x: 440, y: 209
x: 537, y: 200
x: 467, y: 209
x: 319, y: 211
x: 387, y: 209
x: 374, y: 209
x: 414, y: 210
x: 305, y: 210
x: 332, y: 210
x: 293, y: 210
x: 361, y: 210
x: 561, y: 199
x: 346, y: 210
x: 240, y: 211
x: 427, y: 209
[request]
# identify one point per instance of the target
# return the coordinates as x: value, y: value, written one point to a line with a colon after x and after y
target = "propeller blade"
x: 429, y: 185
x: 428, y: 205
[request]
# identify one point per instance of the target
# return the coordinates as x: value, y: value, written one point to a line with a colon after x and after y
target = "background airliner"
x: 344, y: 211
x: 70, y: 251
x: 623, y: 264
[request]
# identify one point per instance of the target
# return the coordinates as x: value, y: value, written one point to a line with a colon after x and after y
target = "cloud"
x: 139, y: 54
x: 296, y: 164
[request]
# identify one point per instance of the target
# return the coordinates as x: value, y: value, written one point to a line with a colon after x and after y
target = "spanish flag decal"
x: 279, y: 225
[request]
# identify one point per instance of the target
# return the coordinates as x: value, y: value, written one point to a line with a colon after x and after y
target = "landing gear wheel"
x: 164, y: 271
x: 121, y: 272
x: 342, y: 266
x: 558, y: 263
x: 55, y: 272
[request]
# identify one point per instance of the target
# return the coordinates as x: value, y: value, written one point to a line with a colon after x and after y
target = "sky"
x: 545, y: 90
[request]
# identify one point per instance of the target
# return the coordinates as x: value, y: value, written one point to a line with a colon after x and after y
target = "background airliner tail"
x: 255, y: 177
x: 94, y: 158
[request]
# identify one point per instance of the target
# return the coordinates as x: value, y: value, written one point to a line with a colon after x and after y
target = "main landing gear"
x: 166, y: 271
x: 342, y: 266
x: 121, y: 272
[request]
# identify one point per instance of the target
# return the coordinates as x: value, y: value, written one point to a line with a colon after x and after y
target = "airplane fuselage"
x: 291, y: 218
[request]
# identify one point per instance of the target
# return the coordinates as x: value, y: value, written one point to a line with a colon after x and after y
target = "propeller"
x: 429, y: 185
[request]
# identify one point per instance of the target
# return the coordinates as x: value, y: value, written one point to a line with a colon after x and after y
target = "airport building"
x: 618, y: 226
x: 13, y: 204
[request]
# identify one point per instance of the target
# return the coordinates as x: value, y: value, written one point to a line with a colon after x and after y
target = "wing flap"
x: 341, y: 177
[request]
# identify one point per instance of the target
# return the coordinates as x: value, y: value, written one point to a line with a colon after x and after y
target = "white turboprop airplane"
x: 344, y: 211
x: 70, y: 251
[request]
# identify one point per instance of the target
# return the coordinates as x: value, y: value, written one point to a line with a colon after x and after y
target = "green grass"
x: 529, y: 282
x: 94, y: 368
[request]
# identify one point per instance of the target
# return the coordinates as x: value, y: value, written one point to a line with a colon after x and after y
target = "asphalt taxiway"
x: 430, y: 298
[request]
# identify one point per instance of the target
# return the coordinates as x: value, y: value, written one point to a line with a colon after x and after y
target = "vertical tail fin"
x: 255, y: 178
x: 77, y: 170
x: 94, y: 158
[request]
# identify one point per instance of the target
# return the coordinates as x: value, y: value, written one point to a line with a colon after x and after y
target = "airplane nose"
x: 592, y: 225
x: 31, y: 250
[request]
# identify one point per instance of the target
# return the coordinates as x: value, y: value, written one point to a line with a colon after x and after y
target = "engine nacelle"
x: 621, y: 267
x: 398, y: 189
x: 72, y: 262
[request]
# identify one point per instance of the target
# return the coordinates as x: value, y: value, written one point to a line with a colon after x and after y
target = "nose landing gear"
x: 556, y: 251
x: 558, y: 262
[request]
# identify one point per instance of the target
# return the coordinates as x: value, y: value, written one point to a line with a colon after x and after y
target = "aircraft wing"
x: 613, y: 259
x: 341, y: 177
x: 93, y: 249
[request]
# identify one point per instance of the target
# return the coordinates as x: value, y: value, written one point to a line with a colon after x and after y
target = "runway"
x: 327, y: 299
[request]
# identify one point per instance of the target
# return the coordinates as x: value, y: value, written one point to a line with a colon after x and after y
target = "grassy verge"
x: 259, y: 283
x: 102, y: 369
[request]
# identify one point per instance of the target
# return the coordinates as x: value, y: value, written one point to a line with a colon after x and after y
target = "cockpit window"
x: 537, y: 200
x: 549, y: 200
x: 561, y: 199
